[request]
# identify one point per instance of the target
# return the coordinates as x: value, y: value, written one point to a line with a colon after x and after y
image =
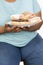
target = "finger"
x: 18, y: 29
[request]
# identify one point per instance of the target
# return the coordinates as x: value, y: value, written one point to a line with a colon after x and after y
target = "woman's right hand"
x: 6, y: 28
x: 12, y: 29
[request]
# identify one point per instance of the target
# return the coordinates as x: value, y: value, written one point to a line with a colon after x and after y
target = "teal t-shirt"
x: 6, y: 10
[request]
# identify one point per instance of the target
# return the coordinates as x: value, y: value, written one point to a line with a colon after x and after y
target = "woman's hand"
x: 12, y: 29
x: 2, y: 29
x: 34, y: 27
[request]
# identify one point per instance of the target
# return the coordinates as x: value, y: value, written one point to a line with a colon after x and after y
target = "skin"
x: 38, y: 14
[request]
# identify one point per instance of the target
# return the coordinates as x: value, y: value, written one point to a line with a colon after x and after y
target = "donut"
x: 25, y: 19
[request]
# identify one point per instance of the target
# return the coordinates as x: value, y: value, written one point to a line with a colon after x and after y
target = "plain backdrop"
x: 40, y: 31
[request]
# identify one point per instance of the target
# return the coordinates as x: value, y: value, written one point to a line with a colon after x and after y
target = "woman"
x: 20, y: 45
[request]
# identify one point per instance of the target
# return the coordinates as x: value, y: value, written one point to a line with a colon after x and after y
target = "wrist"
x: 2, y: 29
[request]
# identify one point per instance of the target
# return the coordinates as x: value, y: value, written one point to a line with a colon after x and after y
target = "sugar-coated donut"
x: 25, y: 19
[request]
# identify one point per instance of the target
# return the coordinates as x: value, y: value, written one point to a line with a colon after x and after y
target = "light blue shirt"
x: 6, y: 10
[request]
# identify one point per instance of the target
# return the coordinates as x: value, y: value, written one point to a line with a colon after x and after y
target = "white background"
x: 40, y: 31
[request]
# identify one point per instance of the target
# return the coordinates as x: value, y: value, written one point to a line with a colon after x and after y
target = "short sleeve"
x: 36, y: 6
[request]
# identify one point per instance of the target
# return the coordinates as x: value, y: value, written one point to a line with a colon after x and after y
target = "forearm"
x: 2, y: 29
x: 39, y: 14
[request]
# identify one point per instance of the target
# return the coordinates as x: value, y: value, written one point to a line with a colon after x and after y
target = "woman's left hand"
x: 34, y: 27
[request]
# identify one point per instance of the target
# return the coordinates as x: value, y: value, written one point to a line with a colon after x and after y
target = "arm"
x: 38, y: 14
x: 6, y: 28
x: 35, y: 27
